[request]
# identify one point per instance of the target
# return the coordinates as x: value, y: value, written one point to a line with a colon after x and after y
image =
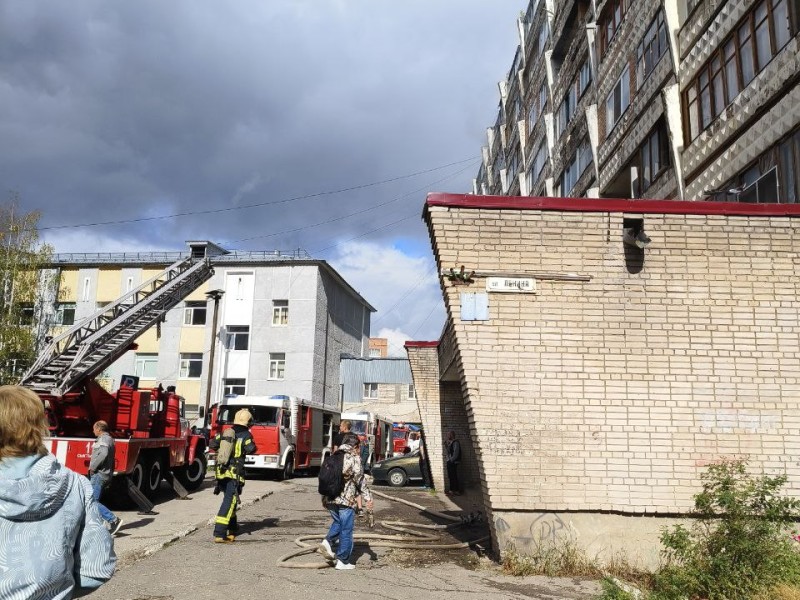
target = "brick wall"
x: 614, y: 394
x: 424, y: 363
x: 442, y: 409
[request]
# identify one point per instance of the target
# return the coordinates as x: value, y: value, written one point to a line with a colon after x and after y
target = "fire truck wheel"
x: 137, y: 475
x: 154, y: 473
x: 192, y: 475
x: 288, y: 468
x: 397, y: 478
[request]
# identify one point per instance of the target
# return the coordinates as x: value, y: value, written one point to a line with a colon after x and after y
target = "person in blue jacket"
x: 53, y: 542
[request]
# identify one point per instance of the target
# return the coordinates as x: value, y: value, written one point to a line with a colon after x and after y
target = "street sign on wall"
x: 526, y: 285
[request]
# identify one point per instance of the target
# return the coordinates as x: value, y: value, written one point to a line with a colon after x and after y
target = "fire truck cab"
x: 292, y: 434
x: 374, y: 430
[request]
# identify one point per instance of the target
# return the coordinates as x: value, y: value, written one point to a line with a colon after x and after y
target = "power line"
x: 359, y: 212
x: 255, y: 205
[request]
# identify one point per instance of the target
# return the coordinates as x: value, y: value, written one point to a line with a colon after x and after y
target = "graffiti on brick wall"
x: 544, y: 530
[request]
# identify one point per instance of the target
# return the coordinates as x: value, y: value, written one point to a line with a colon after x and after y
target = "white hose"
x: 414, y: 539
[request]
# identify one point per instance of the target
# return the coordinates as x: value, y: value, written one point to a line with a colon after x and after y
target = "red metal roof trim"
x: 673, y: 207
x: 410, y: 344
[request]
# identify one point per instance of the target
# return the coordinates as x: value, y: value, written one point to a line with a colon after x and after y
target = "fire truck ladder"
x: 90, y: 346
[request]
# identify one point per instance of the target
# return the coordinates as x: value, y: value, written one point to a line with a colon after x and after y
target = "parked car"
x: 398, y: 470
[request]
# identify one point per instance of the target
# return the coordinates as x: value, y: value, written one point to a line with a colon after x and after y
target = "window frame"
x: 624, y: 78
x: 186, y: 361
x: 280, y: 313
x: 367, y: 392
x: 191, y: 310
x: 228, y: 386
x: 612, y: 15
x: 234, y: 334
x: 277, y: 366
x: 743, y: 62
x: 61, y: 309
x: 140, y: 363
x: 655, y: 28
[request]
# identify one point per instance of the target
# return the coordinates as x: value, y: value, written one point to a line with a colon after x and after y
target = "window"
x: 773, y: 177
x: 511, y: 170
x: 653, y: 158
x: 618, y: 100
x: 788, y: 168
x: 191, y: 365
x: 129, y: 284
x: 537, y: 165
x: 85, y: 289
x: 65, y: 313
x: 234, y: 387
x: 26, y: 314
x: 194, y: 313
x: 145, y: 366
x: 277, y: 365
x: 576, y: 167
x: 371, y: 390
x: 280, y: 312
x: 569, y: 105
x: 651, y: 49
x: 412, y: 394
x: 544, y: 31
x: 762, y: 33
x: 610, y: 20
x: 238, y: 337
x: 374, y: 352
x: 262, y: 415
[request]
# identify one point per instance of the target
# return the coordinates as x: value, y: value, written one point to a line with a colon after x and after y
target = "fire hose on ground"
x: 414, y: 539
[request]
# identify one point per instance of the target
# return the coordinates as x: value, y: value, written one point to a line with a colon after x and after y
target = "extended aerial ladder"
x: 90, y: 346
x: 152, y: 436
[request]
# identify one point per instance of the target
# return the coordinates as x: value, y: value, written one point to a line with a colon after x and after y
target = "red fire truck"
x: 292, y: 434
x: 374, y: 430
x: 152, y: 436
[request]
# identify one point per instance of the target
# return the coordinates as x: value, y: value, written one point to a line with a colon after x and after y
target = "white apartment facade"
x: 283, y: 320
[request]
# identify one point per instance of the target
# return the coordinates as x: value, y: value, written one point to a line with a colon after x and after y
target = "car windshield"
x: 262, y: 415
x: 399, y: 435
x: 358, y: 426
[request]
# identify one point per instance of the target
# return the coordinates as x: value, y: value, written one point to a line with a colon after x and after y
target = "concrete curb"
x: 137, y: 555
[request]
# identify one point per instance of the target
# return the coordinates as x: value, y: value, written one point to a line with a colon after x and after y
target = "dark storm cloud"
x: 115, y: 110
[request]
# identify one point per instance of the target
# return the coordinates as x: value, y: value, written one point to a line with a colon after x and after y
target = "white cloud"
x: 402, y: 287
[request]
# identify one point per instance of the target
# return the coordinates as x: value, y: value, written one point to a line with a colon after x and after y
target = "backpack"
x: 227, y: 443
x: 331, y: 476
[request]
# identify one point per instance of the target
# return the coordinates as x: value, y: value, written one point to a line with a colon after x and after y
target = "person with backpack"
x: 231, y: 446
x: 341, y: 482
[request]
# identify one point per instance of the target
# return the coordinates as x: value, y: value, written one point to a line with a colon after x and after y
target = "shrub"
x: 739, y: 545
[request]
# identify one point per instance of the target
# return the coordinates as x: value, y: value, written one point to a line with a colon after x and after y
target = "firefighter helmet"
x: 243, y: 417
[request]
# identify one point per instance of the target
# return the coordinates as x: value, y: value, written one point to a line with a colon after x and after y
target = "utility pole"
x: 214, y: 295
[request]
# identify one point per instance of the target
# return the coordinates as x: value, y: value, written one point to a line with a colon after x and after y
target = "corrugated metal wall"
x: 355, y: 372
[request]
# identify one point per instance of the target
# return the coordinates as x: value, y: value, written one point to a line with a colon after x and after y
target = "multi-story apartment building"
x: 282, y: 321
x: 683, y: 99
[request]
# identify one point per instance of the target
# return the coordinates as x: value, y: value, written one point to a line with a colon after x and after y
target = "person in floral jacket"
x: 342, y: 508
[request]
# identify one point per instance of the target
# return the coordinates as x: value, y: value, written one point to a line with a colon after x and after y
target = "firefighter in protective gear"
x: 230, y: 476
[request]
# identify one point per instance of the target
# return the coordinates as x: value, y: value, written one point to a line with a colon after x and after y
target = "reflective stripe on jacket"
x: 243, y: 446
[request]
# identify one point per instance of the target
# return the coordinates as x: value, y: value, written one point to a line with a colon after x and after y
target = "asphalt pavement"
x: 171, y: 555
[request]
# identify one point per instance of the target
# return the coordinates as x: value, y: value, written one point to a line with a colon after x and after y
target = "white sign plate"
x: 526, y: 285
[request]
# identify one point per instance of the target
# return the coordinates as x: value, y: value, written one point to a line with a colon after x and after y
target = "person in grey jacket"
x: 101, y: 469
x: 53, y: 543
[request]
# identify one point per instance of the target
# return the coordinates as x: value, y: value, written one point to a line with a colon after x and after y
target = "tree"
x: 22, y: 282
